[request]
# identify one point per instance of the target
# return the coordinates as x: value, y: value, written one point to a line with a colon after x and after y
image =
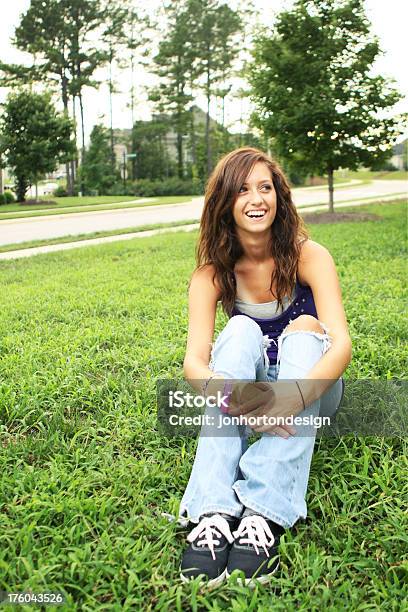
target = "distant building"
x: 121, y: 150
x: 399, y: 157
x: 6, y: 180
x: 199, y: 118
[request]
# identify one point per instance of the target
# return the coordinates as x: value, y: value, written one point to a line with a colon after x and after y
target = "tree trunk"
x: 207, y: 119
x: 112, y: 143
x: 64, y: 89
x: 207, y: 130
x: 224, y: 131
x: 74, y: 162
x: 132, y: 88
x: 81, y: 108
x: 21, y: 188
x: 179, y: 153
x: 36, y: 191
x: 134, y: 150
x: 193, y: 141
x: 132, y: 97
x: 331, y: 189
x: 1, y: 178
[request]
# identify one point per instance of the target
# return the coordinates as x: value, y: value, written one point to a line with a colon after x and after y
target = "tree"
x: 125, y: 29
x: 96, y: 170
x: 215, y: 28
x: 148, y: 142
x: 174, y: 64
x: 42, y: 33
x: 114, y: 38
x: 34, y: 138
x: 196, y: 54
x: 57, y: 33
x: 83, y: 18
x: 313, y: 90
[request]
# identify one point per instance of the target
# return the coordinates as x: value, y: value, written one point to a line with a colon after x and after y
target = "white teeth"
x: 255, y: 214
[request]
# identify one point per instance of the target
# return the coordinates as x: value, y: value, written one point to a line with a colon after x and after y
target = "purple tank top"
x: 303, y: 303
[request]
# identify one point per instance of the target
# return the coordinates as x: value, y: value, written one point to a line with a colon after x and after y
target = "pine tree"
x: 96, y: 170
x: 216, y: 28
x: 174, y: 65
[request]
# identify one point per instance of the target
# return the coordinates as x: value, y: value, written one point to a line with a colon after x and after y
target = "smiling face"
x: 254, y: 209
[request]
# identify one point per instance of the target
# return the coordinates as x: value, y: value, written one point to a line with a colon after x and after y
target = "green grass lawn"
x: 395, y: 175
x: 85, y: 474
x: 75, y: 204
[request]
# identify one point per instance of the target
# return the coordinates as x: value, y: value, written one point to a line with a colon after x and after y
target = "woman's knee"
x: 301, y: 329
x: 243, y: 325
x: 237, y: 329
x: 305, y: 323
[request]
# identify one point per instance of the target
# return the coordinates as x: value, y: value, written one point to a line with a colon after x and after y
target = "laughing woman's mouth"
x: 256, y: 214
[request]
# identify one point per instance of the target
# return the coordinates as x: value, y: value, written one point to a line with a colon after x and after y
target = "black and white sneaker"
x: 207, y: 554
x: 255, y: 549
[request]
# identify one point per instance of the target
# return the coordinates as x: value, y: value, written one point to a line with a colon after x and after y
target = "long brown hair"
x: 218, y: 243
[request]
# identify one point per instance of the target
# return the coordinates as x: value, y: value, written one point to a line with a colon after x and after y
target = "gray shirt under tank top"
x: 265, y: 310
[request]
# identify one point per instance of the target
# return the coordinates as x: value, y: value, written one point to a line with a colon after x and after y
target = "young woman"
x: 282, y: 295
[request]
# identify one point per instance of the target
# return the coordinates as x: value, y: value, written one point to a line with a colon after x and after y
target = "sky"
x: 388, y: 18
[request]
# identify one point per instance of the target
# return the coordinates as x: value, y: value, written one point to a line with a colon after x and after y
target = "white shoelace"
x: 254, y: 530
x: 210, y: 528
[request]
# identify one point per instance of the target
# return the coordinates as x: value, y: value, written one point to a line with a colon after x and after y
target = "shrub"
x: 60, y: 192
x: 167, y: 187
x: 148, y: 188
x: 118, y: 189
x: 9, y: 197
x: 2, y: 199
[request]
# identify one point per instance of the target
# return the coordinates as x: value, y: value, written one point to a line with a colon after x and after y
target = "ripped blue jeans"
x: 270, y: 475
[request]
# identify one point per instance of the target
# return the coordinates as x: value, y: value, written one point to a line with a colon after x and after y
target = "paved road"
x: 43, y: 227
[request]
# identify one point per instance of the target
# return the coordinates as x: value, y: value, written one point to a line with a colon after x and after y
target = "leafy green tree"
x: 216, y: 27
x: 114, y: 37
x: 125, y: 31
x: 174, y: 64
x: 83, y: 20
x: 42, y: 33
x: 34, y: 138
x: 314, y: 93
x: 196, y: 55
x: 96, y: 170
x: 149, y: 144
x: 59, y: 34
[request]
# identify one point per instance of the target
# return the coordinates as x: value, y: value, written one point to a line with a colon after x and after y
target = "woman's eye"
x: 242, y: 189
x: 267, y: 187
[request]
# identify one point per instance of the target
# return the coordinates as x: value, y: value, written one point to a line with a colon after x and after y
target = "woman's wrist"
x: 213, y: 384
x: 311, y: 389
x: 301, y: 394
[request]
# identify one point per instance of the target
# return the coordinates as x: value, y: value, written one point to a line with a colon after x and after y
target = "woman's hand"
x: 265, y: 401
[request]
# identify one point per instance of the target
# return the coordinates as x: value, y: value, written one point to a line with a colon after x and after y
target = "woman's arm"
x: 317, y: 269
x: 203, y: 296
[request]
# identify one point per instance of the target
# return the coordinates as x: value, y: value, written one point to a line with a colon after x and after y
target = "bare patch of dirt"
x: 339, y: 217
